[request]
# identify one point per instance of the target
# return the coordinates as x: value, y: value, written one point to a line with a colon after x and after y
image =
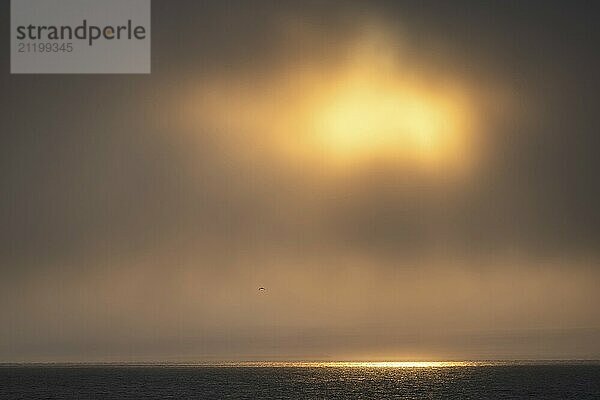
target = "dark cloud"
x: 106, y: 201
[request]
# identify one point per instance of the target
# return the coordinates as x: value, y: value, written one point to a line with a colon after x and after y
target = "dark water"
x: 489, y: 381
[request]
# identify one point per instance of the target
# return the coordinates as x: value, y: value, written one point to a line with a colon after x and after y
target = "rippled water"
x: 463, y: 380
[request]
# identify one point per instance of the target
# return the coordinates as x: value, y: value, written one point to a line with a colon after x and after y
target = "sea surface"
x: 435, y: 380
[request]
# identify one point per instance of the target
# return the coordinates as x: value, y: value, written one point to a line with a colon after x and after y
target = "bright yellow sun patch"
x: 391, y: 120
x: 369, y: 109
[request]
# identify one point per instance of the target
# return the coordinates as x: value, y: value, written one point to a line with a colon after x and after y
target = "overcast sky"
x: 139, y: 214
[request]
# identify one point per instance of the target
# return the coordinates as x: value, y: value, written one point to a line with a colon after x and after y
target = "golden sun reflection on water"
x: 356, y: 364
x: 398, y: 364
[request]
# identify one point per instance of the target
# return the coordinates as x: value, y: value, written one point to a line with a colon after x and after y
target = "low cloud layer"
x: 141, y: 213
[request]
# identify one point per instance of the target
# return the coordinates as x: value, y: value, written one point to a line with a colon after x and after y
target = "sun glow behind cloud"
x: 367, y: 108
x: 374, y: 115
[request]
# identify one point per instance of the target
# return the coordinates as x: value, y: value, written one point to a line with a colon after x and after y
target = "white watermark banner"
x: 80, y: 37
